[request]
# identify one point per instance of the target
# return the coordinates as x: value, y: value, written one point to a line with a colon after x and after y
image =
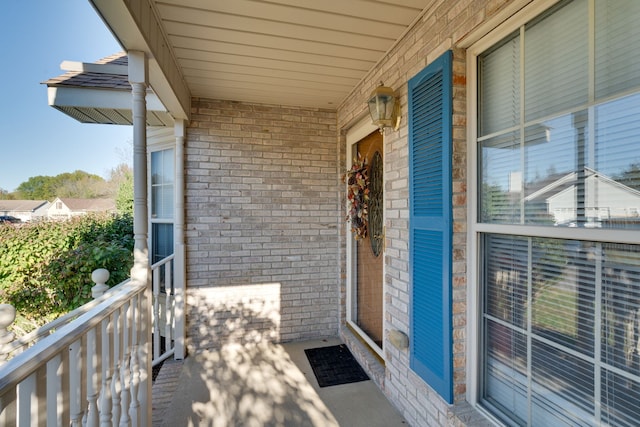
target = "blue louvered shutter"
x: 430, y: 228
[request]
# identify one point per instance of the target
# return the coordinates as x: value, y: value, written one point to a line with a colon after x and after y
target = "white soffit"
x: 100, y: 93
x: 290, y: 52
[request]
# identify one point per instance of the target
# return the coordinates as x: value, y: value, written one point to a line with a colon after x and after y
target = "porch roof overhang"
x: 90, y: 105
x: 100, y: 93
x: 303, y: 53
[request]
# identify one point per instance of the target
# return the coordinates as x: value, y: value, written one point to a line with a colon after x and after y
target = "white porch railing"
x: 164, y: 310
x: 92, y: 366
x: 10, y: 348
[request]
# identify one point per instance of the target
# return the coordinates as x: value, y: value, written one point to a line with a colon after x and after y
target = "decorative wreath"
x: 357, y: 182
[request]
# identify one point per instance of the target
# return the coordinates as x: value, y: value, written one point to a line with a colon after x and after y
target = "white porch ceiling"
x: 290, y: 52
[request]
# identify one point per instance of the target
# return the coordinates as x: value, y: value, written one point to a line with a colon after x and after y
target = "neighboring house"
x: 64, y: 208
x: 605, y: 200
x: 465, y: 307
x: 25, y: 210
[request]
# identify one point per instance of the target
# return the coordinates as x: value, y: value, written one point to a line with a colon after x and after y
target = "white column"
x: 138, y: 78
x: 138, y: 81
x: 179, y: 259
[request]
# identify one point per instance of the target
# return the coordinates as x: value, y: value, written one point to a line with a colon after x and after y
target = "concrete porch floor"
x: 261, y: 384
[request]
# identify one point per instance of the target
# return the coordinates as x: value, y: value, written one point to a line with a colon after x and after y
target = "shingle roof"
x: 21, y: 205
x: 95, y: 80
x: 89, y: 205
x: 76, y: 94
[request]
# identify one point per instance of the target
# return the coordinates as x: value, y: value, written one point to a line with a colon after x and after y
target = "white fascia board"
x: 86, y: 67
x: 164, y: 74
x: 98, y: 98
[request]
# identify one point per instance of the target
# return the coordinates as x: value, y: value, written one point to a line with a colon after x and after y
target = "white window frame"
x: 153, y: 148
x: 475, y: 228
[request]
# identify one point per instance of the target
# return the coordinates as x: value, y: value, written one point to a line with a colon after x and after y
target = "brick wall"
x: 262, y: 218
x: 443, y: 25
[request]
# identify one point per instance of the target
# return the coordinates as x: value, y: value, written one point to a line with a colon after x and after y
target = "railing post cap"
x: 100, y: 275
x: 7, y: 315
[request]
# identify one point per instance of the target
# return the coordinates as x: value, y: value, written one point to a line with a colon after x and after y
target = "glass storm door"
x: 369, y: 250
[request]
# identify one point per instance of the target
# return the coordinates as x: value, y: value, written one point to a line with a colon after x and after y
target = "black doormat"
x: 334, y: 365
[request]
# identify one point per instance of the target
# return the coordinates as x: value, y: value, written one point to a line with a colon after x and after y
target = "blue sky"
x: 37, y: 35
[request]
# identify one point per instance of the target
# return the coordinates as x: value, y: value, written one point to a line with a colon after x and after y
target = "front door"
x: 369, y: 250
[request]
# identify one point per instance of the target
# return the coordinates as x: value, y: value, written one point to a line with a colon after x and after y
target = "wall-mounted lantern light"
x: 384, y: 108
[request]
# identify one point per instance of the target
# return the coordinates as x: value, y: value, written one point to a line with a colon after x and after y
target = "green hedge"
x: 45, y: 267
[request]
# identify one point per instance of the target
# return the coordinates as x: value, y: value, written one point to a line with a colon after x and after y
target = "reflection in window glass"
x: 501, y: 179
x: 162, y: 179
x: 162, y: 241
x: 561, y: 318
x: 551, y: 164
x: 571, y: 178
x: 162, y: 204
x: 554, y: 299
x: 616, y: 185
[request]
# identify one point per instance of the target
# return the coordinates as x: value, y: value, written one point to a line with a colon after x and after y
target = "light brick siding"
x: 444, y: 24
x: 265, y: 230
x: 262, y: 222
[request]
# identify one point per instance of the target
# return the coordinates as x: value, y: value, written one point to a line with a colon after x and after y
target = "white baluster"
x: 156, y: 313
x: 92, y: 383
x: 168, y: 326
x: 124, y: 367
x: 99, y: 277
x: 116, y: 390
x: 144, y: 356
x: 75, y: 386
x: 169, y: 308
x: 116, y: 387
x: 27, y: 401
x: 7, y: 317
x: 54, y: 391
x: 105, y: 391
x: 134, y: 406
x: 8, y: 408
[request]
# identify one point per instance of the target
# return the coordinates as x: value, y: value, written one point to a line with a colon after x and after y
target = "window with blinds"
x: 162, y: 203
x: 162, y: 179
x: 558, y: 146
x: 558, y: 121
x: 561, y: 334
